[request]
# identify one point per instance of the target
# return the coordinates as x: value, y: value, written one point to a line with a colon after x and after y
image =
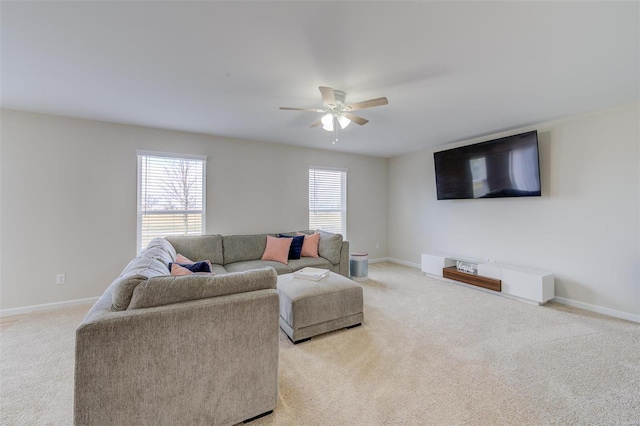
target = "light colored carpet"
x: 429, y: 352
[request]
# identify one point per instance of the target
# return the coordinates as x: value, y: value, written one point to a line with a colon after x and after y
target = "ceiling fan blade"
x: 327, y: 95
x: 302, y: 109
x: 316, y: 123
x: 367, y: 104
x: 355, y: 118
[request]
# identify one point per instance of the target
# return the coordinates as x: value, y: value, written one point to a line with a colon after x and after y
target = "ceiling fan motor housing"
x: 340, y: 96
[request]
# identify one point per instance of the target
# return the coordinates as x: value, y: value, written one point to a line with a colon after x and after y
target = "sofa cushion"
x: 199, y: 247
x: 160, y: 291
x: 310, y: 245
x: 176, y: 269
x: 138, y: 270
x: 194, y: 266
x: 330, y: 246
x: 277, y: 249
x: 296, y: 245
x: 247, y: 265
x: 238, y: 248
x: 218, y: 269
x: 315, y: 262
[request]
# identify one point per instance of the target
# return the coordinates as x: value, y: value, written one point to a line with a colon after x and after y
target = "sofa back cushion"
x: 138, y: 270
x: 199, y: 247
x: 160, y: 291
x: 238, y: 248
x: 330, y: 246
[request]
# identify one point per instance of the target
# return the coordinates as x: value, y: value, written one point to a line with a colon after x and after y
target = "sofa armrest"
x: 344, y: 259
x: 208, y: 361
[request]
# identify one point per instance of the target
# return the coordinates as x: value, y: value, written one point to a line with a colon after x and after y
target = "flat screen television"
x: 505, y: 167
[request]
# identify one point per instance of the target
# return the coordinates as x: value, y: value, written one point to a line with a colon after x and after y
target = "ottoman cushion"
x: 305, y: 303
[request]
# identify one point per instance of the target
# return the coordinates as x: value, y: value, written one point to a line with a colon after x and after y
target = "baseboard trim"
x: 404, y: 262
x: 394, y: 260
x: 46, y: 306
x: 598, y: 309
x: 379, y: 260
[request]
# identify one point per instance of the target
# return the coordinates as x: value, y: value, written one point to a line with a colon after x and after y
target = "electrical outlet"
x: 378, y: 246
x: 61, y: 278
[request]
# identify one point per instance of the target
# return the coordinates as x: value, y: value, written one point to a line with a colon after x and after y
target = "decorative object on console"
x: 467, y: 267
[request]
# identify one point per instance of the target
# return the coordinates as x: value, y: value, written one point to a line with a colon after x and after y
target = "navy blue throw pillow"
x: 296, y: 245
x: 194, y: 267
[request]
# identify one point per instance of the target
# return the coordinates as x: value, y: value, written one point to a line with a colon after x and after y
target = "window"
x: 171, y: 195
x: 328, y: 200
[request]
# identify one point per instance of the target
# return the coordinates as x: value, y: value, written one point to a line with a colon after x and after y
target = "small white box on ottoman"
x: 309, y: 308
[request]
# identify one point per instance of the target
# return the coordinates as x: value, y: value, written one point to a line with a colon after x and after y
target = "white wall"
x: 584, y: 229
x: 69, y: 198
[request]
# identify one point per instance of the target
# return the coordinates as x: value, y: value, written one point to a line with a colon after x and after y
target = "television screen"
x: 505, y: 167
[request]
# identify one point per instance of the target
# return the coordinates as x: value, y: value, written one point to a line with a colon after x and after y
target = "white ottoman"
x: 309, y: 308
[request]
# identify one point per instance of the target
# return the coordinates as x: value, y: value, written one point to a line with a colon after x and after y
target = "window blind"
x: 171, y: 196
x: 328, y: 200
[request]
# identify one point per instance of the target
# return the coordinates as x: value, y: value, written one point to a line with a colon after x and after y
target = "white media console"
x: 530, y: 285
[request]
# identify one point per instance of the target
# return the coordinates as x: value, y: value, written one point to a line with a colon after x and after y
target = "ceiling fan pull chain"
x: 335, y: 130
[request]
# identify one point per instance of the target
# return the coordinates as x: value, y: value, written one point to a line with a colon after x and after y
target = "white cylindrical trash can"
x: 359, y: 265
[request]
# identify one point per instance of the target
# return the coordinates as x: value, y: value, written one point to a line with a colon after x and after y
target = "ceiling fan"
x: 336, y: 112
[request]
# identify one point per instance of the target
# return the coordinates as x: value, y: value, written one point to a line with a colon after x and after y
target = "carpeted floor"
x: 429, y: 352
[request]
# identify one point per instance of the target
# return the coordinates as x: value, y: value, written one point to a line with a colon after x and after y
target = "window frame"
x: 140, y: 153
x: 344, y: 192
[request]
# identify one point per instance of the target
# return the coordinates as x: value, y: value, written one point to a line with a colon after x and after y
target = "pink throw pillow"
x: 180, y: 270
x: 181, y: 259
x: 277, y: 249
x: 310, y: 245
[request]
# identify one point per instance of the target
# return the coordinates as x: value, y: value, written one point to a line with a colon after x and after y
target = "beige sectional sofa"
x: 197, y: 349
x: 236, y: 253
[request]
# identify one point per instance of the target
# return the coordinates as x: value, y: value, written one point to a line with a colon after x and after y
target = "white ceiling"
x: 451, y: 71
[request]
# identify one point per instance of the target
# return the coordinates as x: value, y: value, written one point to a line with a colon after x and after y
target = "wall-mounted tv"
x: 505, y: 167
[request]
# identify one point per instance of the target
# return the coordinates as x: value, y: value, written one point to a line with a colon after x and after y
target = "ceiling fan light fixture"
x: 344, y: 122
x: 327, y: 122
